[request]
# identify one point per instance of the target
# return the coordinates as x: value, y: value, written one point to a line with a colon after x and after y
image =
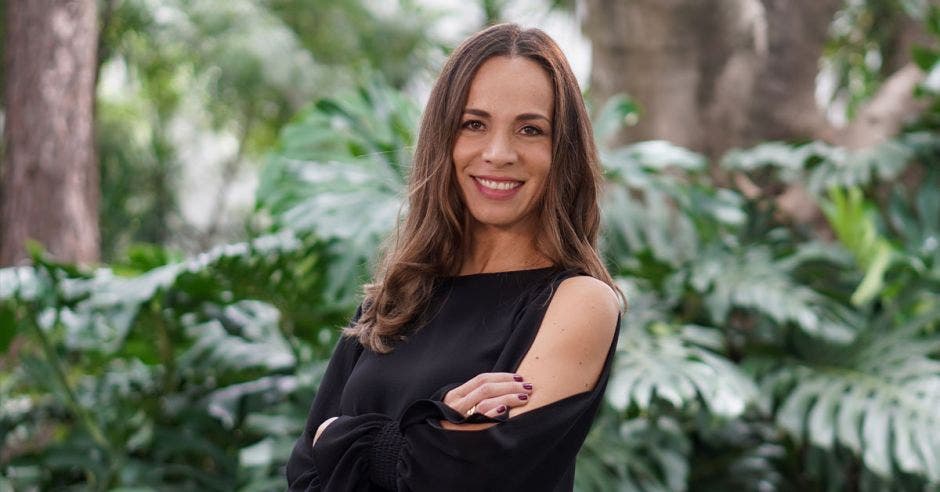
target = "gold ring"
x: 472, y: 410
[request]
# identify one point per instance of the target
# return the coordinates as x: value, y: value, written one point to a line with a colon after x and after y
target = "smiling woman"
x: 503, y: 151
x: 481, y: 351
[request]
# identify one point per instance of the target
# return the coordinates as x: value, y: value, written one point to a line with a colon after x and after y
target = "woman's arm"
x: 301, y: 473
x: 568, y: 363
x: 568, y: 353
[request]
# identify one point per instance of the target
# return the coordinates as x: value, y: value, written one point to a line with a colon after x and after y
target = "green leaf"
x: 875, y: 433
x: 925, y: 436
x: 873, y: 282
x: 755, y: 281
x: 848, y: 421
x: 852, y: 220
x: 249, y: 338
x: 618, y: 112
x: 666, y: 370
x: 23, y: 283
x: 8, y: 325
x: 879, y: 396
x: 905, y: 454
x: 346, y: 155
x: 925, y: 58
x: 787, y: 158
x: 636, y: 454
x: 656, y: 155
x: 822, y: 415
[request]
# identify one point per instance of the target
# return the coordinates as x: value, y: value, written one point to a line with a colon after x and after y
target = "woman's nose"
x: 499, y: 150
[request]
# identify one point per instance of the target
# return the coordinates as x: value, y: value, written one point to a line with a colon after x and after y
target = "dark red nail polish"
x: 501, y: 409
x: 517, y: 377
x: 523, y: 396
x: 527, y: 386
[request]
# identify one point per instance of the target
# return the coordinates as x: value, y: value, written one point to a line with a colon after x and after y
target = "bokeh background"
x: 193, y: 191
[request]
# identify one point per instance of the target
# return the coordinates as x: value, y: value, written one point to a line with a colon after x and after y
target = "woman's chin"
x: 500, y: 220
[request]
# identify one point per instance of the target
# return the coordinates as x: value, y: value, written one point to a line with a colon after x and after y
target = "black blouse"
x: 388, y: 435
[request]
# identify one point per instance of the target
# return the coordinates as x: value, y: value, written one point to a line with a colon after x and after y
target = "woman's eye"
x: 531, y: 130
x: 474, y: 125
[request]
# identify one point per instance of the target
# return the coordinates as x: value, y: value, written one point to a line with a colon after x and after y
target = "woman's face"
x: 503, y: 149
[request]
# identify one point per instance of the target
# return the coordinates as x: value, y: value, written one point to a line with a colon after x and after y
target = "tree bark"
x: 884, y: 114
x: 712, y: 75
x: 722, y: 74
x: 50, y: 188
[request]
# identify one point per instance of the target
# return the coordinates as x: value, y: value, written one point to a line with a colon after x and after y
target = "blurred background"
x: 192, y: 193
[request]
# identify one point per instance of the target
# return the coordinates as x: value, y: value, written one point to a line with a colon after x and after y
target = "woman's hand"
x: 322, y: 428
x: 493, y: 393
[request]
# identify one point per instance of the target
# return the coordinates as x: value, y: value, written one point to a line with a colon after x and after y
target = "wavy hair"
x: 433, y: 239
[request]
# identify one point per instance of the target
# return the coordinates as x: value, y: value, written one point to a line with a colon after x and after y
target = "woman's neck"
x: 500, y: 250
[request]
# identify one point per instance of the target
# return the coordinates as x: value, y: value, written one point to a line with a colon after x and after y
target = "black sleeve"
x: 532, y: 451
x: 301, y: 474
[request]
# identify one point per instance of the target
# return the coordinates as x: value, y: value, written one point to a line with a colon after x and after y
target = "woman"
x: 481, y: 352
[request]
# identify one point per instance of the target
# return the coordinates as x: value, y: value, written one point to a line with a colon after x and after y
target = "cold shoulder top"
x: 388, y: 435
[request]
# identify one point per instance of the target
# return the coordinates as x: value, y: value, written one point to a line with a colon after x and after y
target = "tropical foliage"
x: 213, y: 82
x: 757, y: 353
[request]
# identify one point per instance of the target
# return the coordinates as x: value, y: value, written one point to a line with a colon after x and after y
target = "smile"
x: 498, y: 185
x: 497, y: 189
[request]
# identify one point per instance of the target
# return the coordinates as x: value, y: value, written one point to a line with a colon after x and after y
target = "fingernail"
x: 523, y: 396
x: 501, y: 409
x: 527, y: 386
x: 517, y: 377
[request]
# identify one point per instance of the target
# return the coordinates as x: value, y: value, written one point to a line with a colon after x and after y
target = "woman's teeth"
x: 499, y: 185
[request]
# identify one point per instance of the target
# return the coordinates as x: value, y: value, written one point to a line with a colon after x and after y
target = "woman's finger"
x: 457, y: 398
x: 483, y: 378
x: 493, y: 407
x: 494, y: 390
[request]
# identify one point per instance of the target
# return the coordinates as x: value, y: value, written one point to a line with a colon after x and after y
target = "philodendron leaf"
x: 665, y: 368
x: 879, y: 400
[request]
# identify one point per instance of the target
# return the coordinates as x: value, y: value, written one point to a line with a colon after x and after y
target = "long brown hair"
x: 434, y: 238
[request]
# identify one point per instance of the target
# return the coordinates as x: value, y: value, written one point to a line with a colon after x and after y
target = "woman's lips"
x: 497, y: 189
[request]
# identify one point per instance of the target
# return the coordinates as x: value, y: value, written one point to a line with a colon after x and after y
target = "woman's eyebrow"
x: 533, y: 116
x: 521, y: 117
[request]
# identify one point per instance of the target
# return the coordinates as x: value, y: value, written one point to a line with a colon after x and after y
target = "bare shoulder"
x: 587, y: 304
x: 588, y: 289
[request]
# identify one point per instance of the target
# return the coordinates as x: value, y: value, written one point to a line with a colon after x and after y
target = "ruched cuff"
x: 383, y: 459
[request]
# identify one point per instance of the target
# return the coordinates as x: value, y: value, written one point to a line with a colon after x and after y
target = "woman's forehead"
x: 511, y: 85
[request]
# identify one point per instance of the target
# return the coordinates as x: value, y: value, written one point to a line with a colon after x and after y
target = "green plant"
x: 754, y: 354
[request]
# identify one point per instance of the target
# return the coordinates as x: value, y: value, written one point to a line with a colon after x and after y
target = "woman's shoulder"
x: 587, y: 298
x: 582, y: 287
x: 582, y: 319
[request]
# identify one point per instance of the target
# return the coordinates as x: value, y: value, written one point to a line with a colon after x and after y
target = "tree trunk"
x: 50, y: 188
x: 722, y: 74
x: 712, y: 75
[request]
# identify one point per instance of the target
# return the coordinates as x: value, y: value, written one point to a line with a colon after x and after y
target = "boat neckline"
x: 506, y: 272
